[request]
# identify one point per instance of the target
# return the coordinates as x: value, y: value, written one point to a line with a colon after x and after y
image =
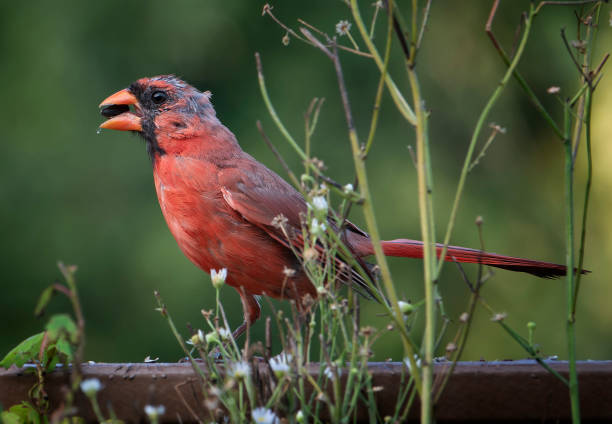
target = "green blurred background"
x: 70, y: 194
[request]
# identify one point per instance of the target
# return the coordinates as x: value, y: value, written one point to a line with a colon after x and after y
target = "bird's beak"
x: 117, y: 109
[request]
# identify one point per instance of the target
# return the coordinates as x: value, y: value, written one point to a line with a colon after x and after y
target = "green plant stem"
x: 425, y: 190
x: 587, y: 103
x: 396, y: 95
x: 96, y: 408
x: 68, y: 272
x: 368, y: 208
x: 368, y: 211
x: 587, y: 195
x: 569, y: 234
x: 479, y: 125
x: 379, y: 90
x: 272, y: 111
x: 528, y: 91
x: 461, y: 344
x: 524, y: 344
x: 179, y: 338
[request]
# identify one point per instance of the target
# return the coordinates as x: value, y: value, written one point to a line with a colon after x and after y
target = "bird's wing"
x: 261, y: 196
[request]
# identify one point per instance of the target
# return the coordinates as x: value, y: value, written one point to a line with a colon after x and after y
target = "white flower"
x: 343, y: 27
x: 239, y: 370
x: 329, y: 373
x: 320, y: 204
x: 218, y: 277
x: 224, y: 333
x: 288, y: 272
x: 263, y: 415
x: 317, y: 229
x: 197, y: 338
x: 91, y: 386
x: 299, y: 416
x: 405, y: 307
x: 348, y: 188
x: 280, y: 364
x: 416, y: 359
x: 154, y: 411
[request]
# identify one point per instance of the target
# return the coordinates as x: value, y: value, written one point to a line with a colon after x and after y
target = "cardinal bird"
x: 220, y: 203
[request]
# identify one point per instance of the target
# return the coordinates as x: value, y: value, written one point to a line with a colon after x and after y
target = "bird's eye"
x: 159, y: 97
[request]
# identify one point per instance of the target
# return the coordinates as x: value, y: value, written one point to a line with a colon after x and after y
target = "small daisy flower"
x: 239, y: 370
x: 263, y: 415
x: 329, y: 373
x: 218, y: 277
x: 154, y: 411
x: 320, y: 204
x: 343, y: 27
x: 280, y: 364
x: 91, y: 386
x: 348, y: 188
x: 288, y: 272
x: 299, y: 417
x: 317, y: 229
x: 197, y: 338
x: 224, y: 333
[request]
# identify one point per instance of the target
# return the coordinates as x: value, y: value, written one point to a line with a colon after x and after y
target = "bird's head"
x: 164, y: 110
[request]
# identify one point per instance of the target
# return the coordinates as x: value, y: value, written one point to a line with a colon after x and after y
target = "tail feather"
x: 414, y: 249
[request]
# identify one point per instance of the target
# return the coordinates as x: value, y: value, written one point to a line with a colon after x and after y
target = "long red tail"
x: 414, y: 249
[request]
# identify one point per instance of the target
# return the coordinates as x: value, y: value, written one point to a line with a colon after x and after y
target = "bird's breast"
x: 191, y: 203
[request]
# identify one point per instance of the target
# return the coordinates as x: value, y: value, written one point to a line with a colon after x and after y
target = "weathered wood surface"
x: 478, y: 391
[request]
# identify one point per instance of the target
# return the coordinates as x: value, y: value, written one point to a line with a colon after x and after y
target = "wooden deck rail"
x: 508, y: 391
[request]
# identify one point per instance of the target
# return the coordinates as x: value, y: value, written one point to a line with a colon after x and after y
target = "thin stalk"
x: 519, y: 78
x: 381, y: 84
x: 588, y: 97
x: 524, y: 344
x: 479, y: 125
x: 272, y: 111
x: 396, y: 95
x: 424, y: 181
x: 368, y: 208
x: 460, y: 345
x: 164, y: 313
x: 569, y: 234
x: 587, y: 195
x: 77, y: 375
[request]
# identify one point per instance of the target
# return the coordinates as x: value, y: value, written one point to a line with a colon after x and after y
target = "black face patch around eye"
x: 113, y: 110
x: 158, y: 97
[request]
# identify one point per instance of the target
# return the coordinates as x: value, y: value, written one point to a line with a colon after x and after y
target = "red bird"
x: 219, y: 202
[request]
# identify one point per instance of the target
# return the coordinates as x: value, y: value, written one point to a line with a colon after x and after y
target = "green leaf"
x: 10, y: 418
x: 63, y: 347
x: 61, y: 323
x: 24, y: 352
x: 50, y: 358
x: 25, y: 413
x: 43, y: 300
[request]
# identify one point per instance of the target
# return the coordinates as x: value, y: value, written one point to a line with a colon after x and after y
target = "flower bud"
x: 218, y: 277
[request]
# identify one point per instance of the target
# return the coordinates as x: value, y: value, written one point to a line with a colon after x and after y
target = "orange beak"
x: 117, y: 109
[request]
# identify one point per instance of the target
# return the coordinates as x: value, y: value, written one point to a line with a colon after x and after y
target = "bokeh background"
x: 70, y: 194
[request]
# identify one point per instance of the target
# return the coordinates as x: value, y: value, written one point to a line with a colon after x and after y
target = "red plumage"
x: 219, y: 202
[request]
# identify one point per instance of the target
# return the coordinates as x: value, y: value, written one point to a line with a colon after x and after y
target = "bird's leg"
x: 251, y: 309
